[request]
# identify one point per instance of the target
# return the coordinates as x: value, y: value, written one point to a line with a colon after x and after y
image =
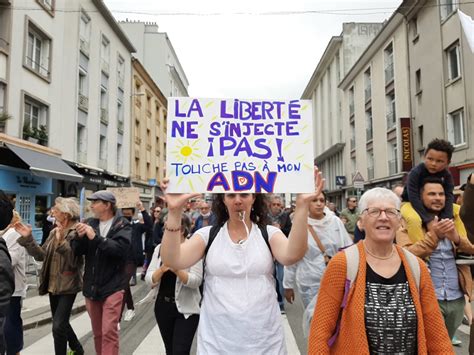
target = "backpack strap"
x: 352, y: 267
x: 264, y: 231
x: 212, y: 235
x: 414, y: 266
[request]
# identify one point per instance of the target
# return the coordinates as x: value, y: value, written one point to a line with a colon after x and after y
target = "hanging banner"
x: 232, y: 145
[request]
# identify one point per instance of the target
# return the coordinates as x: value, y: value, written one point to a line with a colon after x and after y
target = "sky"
x: 250, y: 49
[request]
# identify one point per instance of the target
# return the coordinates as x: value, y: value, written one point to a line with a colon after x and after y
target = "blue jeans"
x: 279, y: 284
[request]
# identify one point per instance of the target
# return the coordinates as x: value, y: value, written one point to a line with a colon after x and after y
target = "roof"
x: 105, y: 12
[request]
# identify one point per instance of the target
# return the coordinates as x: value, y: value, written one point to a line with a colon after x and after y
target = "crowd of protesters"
x: 390, y: 273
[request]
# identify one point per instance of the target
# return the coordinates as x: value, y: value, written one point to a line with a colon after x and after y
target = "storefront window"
x: 40, y: 210
x: 23, y: 204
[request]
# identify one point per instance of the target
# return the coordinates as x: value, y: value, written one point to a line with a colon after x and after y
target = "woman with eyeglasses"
x: 376, y: 297
x: 240, y: 312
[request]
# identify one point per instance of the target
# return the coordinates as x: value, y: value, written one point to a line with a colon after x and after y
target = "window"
x: 447, y: 7
x: 120, y: 116
x: 38, y: 49
x: 353, y: 136
x: 353, y: 165
x: 420, y: 136
x: 105, y: 49
x: 388, y: 53
x: 35, y: 120
x: 455, y: 127
x: 3, y: 90
x: 418, y: 81
x: 391, y: 114
x: 351, y: 101
x: 454, y: 65
x: 368, y: 88
x: 370, y: 164
x: 414, y: 28
x: 84, y: 32
x: 119, y: 158
x: 81, y: 143
x: 393, y: 158
x: 120, y: 71
x: 103, y: 148
x: 83, y: 83
x: 104, y: 103
x: 369, y: 129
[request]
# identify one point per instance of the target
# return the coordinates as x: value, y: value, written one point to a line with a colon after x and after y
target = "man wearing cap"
x: 104, y: 241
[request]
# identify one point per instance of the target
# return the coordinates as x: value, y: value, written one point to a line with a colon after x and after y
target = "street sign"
x: 340, y: 180
x: 358, y: 180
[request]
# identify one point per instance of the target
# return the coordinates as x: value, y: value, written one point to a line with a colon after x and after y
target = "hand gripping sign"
x: 231, y: 145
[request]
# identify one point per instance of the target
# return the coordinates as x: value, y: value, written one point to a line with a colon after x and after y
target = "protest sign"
x: 125, y: 196
x: 231, y: 145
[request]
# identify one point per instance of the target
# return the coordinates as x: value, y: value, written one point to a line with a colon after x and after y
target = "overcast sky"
x: 255, y: 54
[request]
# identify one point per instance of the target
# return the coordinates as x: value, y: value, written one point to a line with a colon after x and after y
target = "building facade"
x: 148, y: 153
x: 155, y: 51
x: 65, y: 79
x: 329, y: 144
x: 376, y: 98
x: 441, y: 75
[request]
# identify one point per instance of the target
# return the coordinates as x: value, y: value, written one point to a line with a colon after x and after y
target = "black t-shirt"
x: 167, y: 284
x: 390, y: 315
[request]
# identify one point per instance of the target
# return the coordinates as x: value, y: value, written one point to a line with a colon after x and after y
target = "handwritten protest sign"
x: 230, y: 145
x: 125, y: 196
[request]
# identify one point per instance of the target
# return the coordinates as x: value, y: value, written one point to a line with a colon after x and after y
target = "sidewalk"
x: 36, y: 310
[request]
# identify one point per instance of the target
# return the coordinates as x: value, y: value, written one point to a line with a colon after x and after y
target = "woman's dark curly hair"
x: 258, y: 214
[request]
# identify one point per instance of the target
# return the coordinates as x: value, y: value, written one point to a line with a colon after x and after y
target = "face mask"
x: 206, y: 215
x: 128, y: 218
x: 51, y: 219
x: 140, y: 216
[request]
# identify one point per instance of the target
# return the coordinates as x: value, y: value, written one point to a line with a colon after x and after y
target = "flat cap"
x: 102, y: 195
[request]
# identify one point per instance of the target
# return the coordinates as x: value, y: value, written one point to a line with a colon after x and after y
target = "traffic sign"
x: 358, y: 180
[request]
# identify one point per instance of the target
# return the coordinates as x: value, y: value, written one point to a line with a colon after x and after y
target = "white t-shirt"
x: 18, y: 256
x: 239, y: 312
x: 104, y: 227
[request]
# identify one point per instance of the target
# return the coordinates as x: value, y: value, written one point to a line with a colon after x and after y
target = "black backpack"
x: 213, y: 234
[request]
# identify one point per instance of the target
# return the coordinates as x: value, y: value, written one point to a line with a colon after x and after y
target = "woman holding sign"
x: 240, y: 312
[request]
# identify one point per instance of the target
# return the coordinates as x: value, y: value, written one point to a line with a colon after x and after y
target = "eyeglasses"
x: 376, y: 212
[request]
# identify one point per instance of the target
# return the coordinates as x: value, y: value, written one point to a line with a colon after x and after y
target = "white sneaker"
x: 129, y: 315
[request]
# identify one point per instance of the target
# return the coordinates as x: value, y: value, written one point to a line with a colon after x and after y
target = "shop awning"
x: 45, y: 165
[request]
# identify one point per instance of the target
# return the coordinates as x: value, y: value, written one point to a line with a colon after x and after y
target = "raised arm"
x: 175, y: 254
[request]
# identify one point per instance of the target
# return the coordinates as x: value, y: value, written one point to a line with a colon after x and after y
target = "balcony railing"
x: 368, y: 93
x: 370, y: 173
x: 369, y: 134
x: 392, y: 167
x: 104, y: 116
x: 120, y: 126
x: 353, y: 143
x: 388, y: 73
x: 391, y: 120
x: 83, y: 102
x: 37, y: 67
x: 84, y: 46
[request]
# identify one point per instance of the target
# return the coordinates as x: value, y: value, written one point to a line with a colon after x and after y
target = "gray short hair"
x: 69, y: 206
x: 378, y: 194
